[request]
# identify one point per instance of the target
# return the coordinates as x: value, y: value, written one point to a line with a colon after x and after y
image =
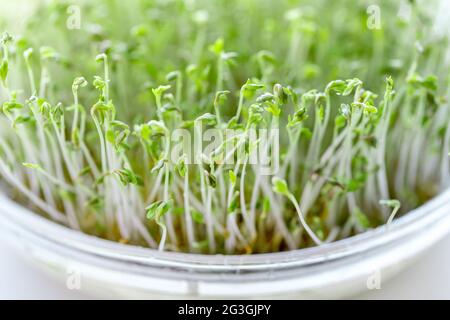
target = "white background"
x: 428, y: 278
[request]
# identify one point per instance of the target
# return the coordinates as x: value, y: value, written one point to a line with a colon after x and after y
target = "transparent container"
x: 334, y: 270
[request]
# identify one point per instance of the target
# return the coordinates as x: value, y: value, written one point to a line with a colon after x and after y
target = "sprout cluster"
x: 96, y: 152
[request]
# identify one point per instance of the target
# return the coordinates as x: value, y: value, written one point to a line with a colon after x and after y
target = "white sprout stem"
x: 89, y: 160
x: 29, y: 152
x: 230, y: 243
x: 416, y: 145
x: 107, y: 80
x: 190, y: 231
x: 142, y: 230
x: 205, y: 193
x: 168, y: 216
x: 102, y: 143
x: 381, y: 150
x: 31, y: 77
x: 302, y: 220
x: 199, y: 206
x: 250, y: 223
x: 41, y: 137
x: 156, y: 187
x: 254, y: 198
x: 312, y: 147
x: 57, y: 181
x: 209, y: 224
x: 230, y: 154
x: 162, y: 242
x: 276, y: 212
x: 401, y: 168
x: 445, y: 161
x: 51, y: 211
x: 76, y: 111
x: 332, y: 235
x: 60, y: 175
x: 62, y: 146
x: 312, y: 189
x: 122, y: 211
x: 393, y: 214
x: 241, y: 102
x: 220, y: 73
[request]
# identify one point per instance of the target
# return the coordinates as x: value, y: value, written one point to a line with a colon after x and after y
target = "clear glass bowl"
x: 333, y: 270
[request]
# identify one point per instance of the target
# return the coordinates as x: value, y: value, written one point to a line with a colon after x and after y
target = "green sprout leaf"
x: 232, y: 177
x: 32, y: 166
x: 265, y: 97
x: 234, y: 203
x: 197, y: 217
x: 126, y: 177
x: 362, y: 219
x: 280, y: 186
x: 171, y: 76
x: 4, y: 70
x: 181, y: 166
x: 211, y: 179
x: 79, y: 82
x: 48, y: 53
x: 101, y: 57
x: 158, y: 209
x: 217, y: 47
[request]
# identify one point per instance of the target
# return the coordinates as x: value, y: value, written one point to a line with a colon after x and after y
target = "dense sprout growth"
x: 99, y: 125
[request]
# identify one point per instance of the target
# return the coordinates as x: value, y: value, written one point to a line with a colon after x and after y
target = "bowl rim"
x: 25, y: 221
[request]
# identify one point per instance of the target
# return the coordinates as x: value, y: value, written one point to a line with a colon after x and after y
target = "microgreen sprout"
x: 154, y: 212
x: 280, y: 186
x: 394, y: 205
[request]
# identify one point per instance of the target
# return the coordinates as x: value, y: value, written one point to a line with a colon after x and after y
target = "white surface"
x: 428, y: 278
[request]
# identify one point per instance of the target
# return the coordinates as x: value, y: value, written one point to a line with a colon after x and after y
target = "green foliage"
x: 311, y: 71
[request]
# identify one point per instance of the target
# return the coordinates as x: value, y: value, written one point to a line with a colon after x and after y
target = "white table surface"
x: 428, y: 278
